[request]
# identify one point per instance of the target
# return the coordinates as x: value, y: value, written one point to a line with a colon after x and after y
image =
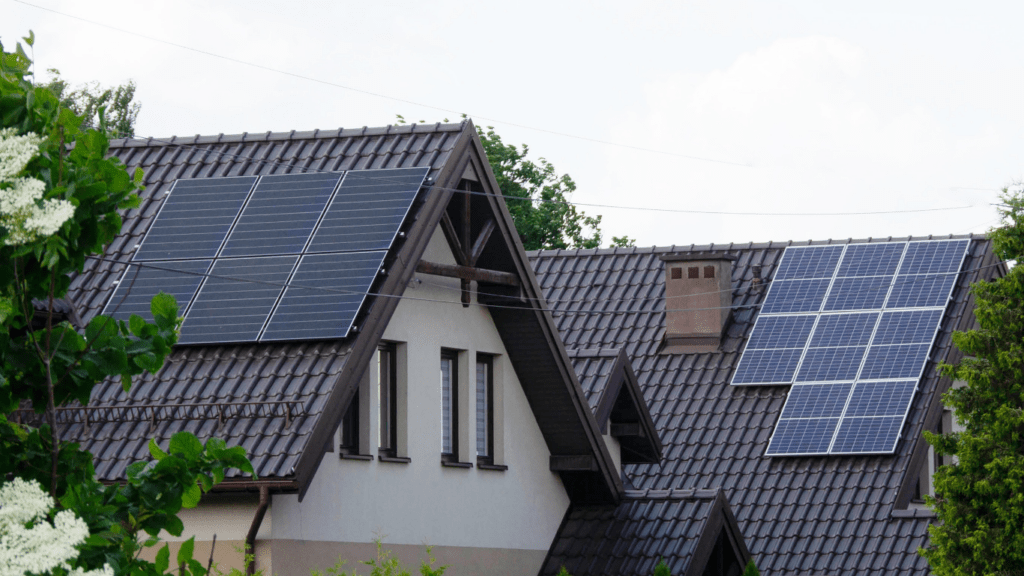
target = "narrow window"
x: 484, y: 408
x: 387, y: 391
x: 350, y: 427
x: 449, y: 405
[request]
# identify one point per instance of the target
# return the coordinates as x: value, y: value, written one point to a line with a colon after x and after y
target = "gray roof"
x: 806, y: 515
x: 205, y: 389
x: 634, y: 536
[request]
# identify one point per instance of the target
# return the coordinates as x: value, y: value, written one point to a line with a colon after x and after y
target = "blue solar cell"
x: 811, y: 262
x: 281, y: 214
x: 868, y: 435
x: 178, y: 278
x: 896, y: 361
x: 367, y: 210
x: 831, y: 364
x: 816, y: 400
x: 933, y: 257
x: 306, y: 312
x: 767, y: 366
x: 923, y: 291
x: 195, y: 218
x: 235, y: 302
x: 881, y: 398
x: 807, y: 436
x: 861, y: 293
x: 871, y: 259
x: 844, y: 329
x: 780, y: 332
x: 795, y: 296
x: 908, y: 327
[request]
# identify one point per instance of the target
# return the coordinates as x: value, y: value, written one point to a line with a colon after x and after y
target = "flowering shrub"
x: 30, y: 543
x: 24, y: 214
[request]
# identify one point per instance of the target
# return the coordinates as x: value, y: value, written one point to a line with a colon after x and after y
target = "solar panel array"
x: 248, y: 258
x: 849, y: 327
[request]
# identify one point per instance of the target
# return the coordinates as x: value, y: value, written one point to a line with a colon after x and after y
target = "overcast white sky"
x: 814, y: 107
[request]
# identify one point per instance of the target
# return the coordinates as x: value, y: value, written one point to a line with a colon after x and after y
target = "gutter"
x: 257, y: 520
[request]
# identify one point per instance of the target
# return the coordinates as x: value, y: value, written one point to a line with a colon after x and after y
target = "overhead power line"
x: 566, y: 202
x: 378, y: 94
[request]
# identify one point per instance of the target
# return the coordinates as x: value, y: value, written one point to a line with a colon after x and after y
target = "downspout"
x: 257, y: 520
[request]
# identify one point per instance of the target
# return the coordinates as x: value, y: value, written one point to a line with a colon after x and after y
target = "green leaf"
x: 155, y: 450
x: 163, y: 559
x: 185, y: 552
x: 190, y: 498
x: 30, y: 39
x: 173, y: 525
x: 165, y: 310
x: 136, y: 324
x: 186, y: 444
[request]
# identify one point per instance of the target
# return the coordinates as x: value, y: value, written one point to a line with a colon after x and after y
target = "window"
x: 387, y: 391
x: 449, y: 405
x: 350, y: 427
x: 484, y: 409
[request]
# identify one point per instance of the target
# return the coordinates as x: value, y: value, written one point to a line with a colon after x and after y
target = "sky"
x: 712, y: 121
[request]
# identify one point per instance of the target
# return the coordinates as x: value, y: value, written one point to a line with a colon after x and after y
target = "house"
x: 809, y: 496
x: 360, y: 315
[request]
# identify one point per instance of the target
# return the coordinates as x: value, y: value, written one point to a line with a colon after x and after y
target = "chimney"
x: 698, y: 300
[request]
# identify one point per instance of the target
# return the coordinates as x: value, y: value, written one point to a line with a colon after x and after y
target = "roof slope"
x: 207, y: 384
x: 679, y: 526
x: 798, y: 515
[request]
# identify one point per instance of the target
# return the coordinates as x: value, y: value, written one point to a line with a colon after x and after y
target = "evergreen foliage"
x: 980, y: 499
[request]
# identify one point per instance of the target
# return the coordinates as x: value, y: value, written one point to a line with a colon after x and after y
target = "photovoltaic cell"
x: 897, y: 361
x: 306, y: 312
x: 816, y: 400
x: 811, y: 262
x: 921, y: 291
x: 907, y: 327
x: 808, y: 436
x: 844, y: 329
x: 772, y: 332
x: 864, y: 293
x: 234, y: 303
x: 831, y: 364
x: 868, y: 435
x: 933, y: 257
x: 280, y: 215
x: 179, y: 278
x: 871, y: 259
x: 795, y: 296
x: 767, y: 366
x: 195, y: 218
x: 367, y: 210
x: 881, y: 398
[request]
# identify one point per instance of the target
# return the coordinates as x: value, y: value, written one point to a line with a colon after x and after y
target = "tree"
x: 59, y: 202
x: 980, y: 499
x: 87, y: 99
x: 538, y: 198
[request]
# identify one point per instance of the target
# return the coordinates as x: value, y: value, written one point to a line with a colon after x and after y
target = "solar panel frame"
x: 889, y: 362
x: 809, y: 262
x: 155, y: 270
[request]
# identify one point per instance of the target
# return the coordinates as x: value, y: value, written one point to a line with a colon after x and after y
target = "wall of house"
x: 498, y: 522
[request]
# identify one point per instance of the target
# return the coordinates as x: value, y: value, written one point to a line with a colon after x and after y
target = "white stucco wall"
x: 423, y: 502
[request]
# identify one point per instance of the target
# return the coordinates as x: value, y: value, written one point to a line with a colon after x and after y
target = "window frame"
x: 488, y: 361
x: 348, y: 444
x: 451, y: 356
x: 387, y: 424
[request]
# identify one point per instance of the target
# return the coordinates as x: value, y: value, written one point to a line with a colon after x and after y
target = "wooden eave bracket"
x: 573, y: 463
x: 467, y: 273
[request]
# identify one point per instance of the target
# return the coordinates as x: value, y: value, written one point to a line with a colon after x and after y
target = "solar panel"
x: 306, y: 312
x: 226, y: 248
x: 790, y: 296
x: 195, y: 218
x: 868, y: 348
x: 235, y: 301
x: 367, y: 210
x: 280, y: 214
x: 809, y: 262
x: 138, y: 285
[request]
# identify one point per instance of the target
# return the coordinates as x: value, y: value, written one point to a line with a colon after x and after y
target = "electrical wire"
x: 377, y: 94
x: 508, y: 198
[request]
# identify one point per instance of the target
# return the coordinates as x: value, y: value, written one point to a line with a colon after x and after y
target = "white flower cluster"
x: 20, y: 212
x: 42, y: 547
